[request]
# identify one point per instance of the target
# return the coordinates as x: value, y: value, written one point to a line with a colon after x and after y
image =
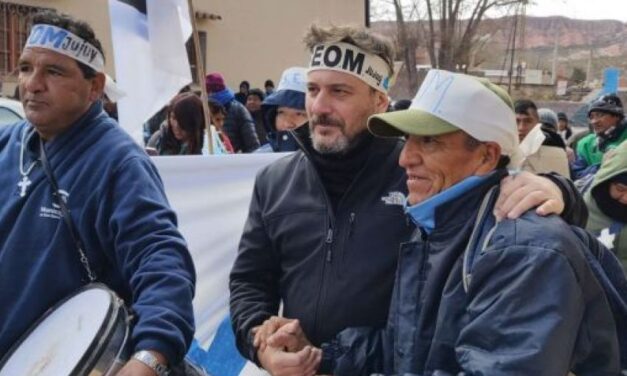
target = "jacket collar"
x: 61, y: 140
x: 453, y: 205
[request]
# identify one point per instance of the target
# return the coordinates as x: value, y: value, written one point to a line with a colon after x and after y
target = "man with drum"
x: 114, y: 199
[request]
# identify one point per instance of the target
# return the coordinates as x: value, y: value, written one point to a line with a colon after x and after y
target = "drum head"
x: 57, y: 344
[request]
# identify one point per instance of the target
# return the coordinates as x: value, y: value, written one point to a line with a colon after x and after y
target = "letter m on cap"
x: 51, y: 36
x: 433, y: 90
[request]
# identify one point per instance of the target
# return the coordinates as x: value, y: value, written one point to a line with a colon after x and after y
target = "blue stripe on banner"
x: 222, y: 357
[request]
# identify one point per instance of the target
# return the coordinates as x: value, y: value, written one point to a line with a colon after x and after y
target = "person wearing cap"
x: 238, y: 124
x: 563, y: 128
x: 606, y: 116
x: 324, y: 222
x: 253, y: 105
x: 115, y: 197
x: 548, y: 119
x: 284, y: 110
x: 473, y: 295
x: 607, y: 203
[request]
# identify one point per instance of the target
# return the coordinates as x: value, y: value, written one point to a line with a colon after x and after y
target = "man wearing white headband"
x: 473, y: 295
x: 115, y: 197
x: 325, y: 222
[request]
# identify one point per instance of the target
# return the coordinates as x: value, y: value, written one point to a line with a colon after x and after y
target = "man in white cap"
x: 124, y: 233
x: 473, y: 295
x: 325, y: 222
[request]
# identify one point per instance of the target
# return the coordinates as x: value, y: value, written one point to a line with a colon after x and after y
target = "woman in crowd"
x: 182, y: 132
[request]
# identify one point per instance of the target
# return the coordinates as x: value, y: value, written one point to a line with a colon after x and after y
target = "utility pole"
x: 554, y: 67
x: 511, y: 62
x: 589, y: 68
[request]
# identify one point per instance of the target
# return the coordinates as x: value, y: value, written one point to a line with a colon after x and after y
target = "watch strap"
x: 151, y: 361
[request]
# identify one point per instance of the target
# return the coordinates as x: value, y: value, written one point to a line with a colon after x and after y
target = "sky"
x: 580, y: 9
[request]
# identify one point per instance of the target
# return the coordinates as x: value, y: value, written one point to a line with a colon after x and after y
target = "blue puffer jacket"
x: 533, y: 307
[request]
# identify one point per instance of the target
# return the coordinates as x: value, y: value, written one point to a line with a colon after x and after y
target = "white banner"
x: 211, y: 195
x: 151, y: 64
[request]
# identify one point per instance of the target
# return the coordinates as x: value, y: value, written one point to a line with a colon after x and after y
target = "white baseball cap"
x: 447, y: 102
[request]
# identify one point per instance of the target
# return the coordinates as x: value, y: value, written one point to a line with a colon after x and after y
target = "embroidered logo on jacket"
x: 55, y: 211
x: 394, y: 198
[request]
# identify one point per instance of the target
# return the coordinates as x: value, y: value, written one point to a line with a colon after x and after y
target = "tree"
x: 450, y: 33
x: 578, y: 76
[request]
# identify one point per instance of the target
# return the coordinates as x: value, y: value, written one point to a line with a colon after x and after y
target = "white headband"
x: 64, y: 42
x: 71, y: 45
x: 347, y: 58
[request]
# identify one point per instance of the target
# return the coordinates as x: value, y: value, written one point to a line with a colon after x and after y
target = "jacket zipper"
x: 328, y: 241
x: 351, y: 223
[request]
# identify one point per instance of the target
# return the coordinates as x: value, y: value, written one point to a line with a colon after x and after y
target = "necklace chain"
x: 25, y: 140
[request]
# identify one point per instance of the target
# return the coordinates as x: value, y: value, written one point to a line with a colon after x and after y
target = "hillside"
x: 577, y: 40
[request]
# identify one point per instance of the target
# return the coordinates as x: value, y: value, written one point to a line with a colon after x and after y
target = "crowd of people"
x: 438, y: 236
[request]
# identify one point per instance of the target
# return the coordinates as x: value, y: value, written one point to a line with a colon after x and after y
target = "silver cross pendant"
x: 23, y: 184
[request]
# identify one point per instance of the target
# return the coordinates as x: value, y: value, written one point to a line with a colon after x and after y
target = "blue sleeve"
x: 580, y: 168
x: 524, y: 311
x: 152, y: 257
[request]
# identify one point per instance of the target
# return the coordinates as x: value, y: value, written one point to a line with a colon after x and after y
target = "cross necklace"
x: 25, y: 181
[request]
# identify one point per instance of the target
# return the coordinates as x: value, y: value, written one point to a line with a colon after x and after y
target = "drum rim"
x: 94, y: 351
x: 101, y: 332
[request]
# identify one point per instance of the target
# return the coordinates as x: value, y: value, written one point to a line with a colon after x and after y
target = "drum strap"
x: 60, y: 200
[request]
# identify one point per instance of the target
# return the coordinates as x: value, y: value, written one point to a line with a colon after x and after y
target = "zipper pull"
x: 351, y: 222
x: 329, y: 240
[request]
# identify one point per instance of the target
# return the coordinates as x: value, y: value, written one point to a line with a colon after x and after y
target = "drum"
x: 85, y: 334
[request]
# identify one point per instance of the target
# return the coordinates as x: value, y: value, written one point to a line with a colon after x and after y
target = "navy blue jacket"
x: 118, y: 204
x: 533, y: 306
x: 330, y: 270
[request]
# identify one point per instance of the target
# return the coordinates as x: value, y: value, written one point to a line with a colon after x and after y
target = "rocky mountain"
x: 578, y: 40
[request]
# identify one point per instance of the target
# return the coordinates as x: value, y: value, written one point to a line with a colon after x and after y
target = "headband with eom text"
x: 347, y: 58
x: 71, y: 45
x: 64, y: 42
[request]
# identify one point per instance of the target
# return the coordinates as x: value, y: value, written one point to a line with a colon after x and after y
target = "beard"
x: 340, y: 144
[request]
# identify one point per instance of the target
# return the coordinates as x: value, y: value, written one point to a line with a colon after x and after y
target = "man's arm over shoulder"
x: 575, y: 209
x: 152, y: 257
x: 254, y: 278
x: 527, y: 311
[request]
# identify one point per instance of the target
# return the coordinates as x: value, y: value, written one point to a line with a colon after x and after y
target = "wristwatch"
x: 151, y: 361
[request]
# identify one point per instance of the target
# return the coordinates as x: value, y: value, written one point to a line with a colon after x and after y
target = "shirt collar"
x: 423, y: 213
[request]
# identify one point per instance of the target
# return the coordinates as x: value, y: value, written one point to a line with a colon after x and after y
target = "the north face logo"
x: 394, y: 198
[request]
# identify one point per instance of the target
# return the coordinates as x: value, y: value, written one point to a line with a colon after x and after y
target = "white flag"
x: 151, y: 64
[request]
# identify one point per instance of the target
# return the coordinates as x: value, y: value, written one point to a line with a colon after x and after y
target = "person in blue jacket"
x: 114, y: 194
x: 284, y: 110
x: 320, y: 241
x: 526, y: 303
